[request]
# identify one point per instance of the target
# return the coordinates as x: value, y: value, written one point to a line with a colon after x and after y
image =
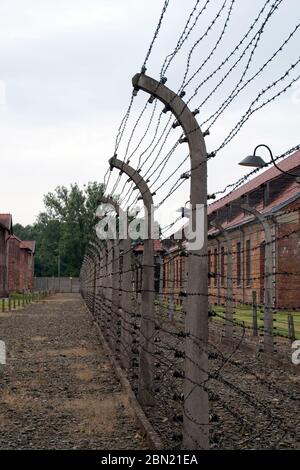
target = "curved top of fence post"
x: 137, y: 179
x: 222, y: 230
x: 111, y: 201
x: 185, y: 117
x: 92, y: 250
x: 261, y: 218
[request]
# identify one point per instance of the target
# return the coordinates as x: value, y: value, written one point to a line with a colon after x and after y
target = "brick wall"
x: 26, y: 270
x: 248, y: 263
x: 13, y: 264
x: 174, y: 275
x: 288, y: 285
x: 2, y: 262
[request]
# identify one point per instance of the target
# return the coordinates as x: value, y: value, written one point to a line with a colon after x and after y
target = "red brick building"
x: 27, y: 249
x: 5, y: 231
x: 20, y: 264
x: 277, y: 197
x: 14, y: 259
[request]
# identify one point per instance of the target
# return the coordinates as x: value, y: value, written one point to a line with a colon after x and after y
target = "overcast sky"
x: 66, y: 69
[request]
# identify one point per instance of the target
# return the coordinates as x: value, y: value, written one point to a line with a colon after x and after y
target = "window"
x: 165, y: 276
x: 176, y: 274
x: 215, y: 267
x: 222, y: 266
x: 266, y: 198
x: 238, y: 264
x: 209, y: 267
x: 180, y: 272
x: 248, y: 263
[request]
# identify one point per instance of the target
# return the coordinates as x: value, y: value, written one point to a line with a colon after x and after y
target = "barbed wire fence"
x: 204, y: 335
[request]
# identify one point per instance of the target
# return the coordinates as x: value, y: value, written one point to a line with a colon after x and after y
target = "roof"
x: 288, y: 164
x: 6, y: 221
x: 285, y: 196
x: 14, y: 237
x: 28, y: 245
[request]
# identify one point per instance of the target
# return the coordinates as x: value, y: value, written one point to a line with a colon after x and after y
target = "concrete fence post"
x: 147, y: 329
x: 126, y: 306
x: 95, y: 268
x: 196, y: 415
x: 115, y: 293
x: 229, y: 324
x: 109, y: 296
x: 160, y: 299
x: 104, y: 289
x: 269, y: 288
x: 171, y: 288
x: 115, y: 278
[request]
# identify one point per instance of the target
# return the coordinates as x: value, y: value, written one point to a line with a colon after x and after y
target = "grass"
x: 17, y: 298
x: 243, y: 314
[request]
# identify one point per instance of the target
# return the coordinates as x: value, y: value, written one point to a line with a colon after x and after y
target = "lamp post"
x: 257, y: 162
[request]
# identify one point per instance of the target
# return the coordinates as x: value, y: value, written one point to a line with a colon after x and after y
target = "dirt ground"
x: 58, y: 389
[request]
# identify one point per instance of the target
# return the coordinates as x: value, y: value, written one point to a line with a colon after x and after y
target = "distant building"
x: 5, y: 232
x: 20, y: 264
x: 277, y: 197
x: 27, y: 249
x: 16, y: 260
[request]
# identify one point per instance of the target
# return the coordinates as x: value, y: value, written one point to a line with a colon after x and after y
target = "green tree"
x: 63, y: 230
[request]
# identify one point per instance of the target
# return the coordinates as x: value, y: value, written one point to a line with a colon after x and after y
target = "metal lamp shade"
x: 254, y: 161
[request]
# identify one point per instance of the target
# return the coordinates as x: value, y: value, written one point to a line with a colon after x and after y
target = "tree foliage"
x: 63, y: 229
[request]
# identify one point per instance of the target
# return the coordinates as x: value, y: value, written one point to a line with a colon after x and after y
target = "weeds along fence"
x: 205, y: 335
x: 16, y: 301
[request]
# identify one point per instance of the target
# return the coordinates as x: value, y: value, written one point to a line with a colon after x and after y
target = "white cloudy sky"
x: 66, y: 69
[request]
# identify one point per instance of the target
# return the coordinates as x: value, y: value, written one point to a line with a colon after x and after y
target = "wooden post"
x: 3, y: 305
x: 196, y: 415
x: 254, y: 313
x: 291, y: 327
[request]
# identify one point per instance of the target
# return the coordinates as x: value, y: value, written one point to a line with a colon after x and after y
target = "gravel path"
x: 58, y: 389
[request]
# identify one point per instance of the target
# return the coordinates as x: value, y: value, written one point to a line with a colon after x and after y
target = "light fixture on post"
x: 257, y: 162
